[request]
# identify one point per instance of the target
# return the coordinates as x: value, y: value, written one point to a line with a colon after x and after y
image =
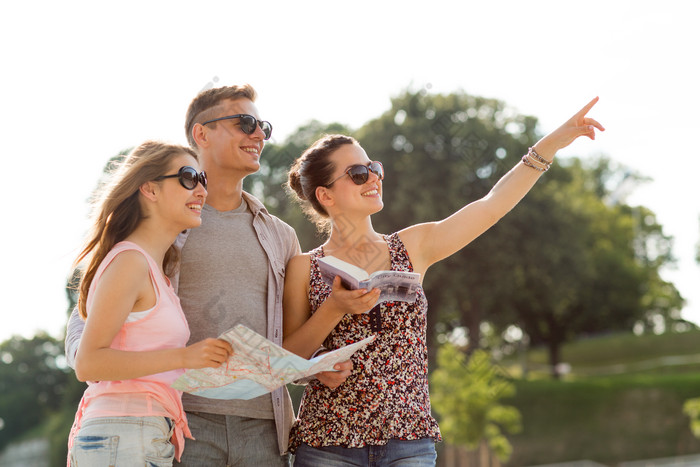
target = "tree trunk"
x: 471, y: 317
x: 432, y: 319
x: 554, y: 356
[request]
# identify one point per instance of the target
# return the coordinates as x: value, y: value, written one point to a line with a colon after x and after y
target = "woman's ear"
x: 150, y: 190
x: 324, y: 196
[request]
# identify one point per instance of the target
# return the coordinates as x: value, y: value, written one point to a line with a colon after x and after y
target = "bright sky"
x: 82, y: 80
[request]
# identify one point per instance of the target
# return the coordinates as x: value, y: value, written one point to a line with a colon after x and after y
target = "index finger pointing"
x: 587, y: 107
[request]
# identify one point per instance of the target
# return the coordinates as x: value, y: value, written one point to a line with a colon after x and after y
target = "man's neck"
x: 224, y: 194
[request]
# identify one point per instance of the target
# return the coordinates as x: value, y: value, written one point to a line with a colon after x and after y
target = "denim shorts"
x: 123, y: 442
x: 415, y: 453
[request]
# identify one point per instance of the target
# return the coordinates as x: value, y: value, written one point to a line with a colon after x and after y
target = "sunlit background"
x: 83, y: 80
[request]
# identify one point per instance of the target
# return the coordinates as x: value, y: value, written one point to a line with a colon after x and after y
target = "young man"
x: 231, y: 272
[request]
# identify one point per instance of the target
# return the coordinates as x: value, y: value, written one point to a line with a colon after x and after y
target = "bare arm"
x: 74, y: 330
x: 431, y: 242
x: 125, y: 286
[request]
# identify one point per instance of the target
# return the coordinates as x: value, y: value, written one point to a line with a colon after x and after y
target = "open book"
x: 397, y: 286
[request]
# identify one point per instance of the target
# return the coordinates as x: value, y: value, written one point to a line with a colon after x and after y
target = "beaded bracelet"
x: 532, y: 153
x: 527, y: 162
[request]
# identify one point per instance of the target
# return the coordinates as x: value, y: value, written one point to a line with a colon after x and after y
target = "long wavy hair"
x: 116, y: 208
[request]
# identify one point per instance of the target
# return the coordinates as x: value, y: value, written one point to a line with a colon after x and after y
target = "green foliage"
x: 691, y: 408
x: 584, y: 266
x: 33, y: 383
x: 466, y: 392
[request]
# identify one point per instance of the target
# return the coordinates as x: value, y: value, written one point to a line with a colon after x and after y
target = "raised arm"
x: 431, y: 242
x: 126, y: 286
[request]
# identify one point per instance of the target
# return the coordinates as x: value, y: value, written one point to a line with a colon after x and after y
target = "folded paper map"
x: 257, y: 366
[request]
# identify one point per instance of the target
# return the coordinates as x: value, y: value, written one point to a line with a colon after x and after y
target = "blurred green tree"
x: 33, y: 383
x: 691, y: 408
x: 466, y: 392
x: 568, y: 260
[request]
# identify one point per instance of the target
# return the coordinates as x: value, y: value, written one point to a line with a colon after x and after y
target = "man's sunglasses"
x: 188, y: 177
x: 360, y: 173
x: 248, y: 124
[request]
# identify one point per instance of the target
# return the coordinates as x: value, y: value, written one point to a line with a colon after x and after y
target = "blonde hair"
x: 116, y: 209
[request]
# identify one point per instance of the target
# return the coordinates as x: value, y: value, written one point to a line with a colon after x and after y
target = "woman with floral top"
x: 381, y: 414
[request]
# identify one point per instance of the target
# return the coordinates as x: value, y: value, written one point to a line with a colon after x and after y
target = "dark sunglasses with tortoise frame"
x: 188, y: 177
x: 359, y: 174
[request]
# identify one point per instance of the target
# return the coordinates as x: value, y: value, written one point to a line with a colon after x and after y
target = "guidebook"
x: 395, y: 286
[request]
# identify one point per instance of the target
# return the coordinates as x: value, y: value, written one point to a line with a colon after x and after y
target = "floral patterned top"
x: 386, y: 396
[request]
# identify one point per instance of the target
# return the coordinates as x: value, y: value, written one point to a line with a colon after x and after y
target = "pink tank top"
x: 165, y: 326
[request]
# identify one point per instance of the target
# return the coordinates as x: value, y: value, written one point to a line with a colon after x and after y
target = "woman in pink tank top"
x: 382, y: 409
x: 134, y: 343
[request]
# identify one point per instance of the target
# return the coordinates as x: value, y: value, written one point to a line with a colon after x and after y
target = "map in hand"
x: 257, y: 366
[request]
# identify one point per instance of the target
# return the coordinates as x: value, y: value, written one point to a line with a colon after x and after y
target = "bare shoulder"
x: 416, y: 235
x: 123, y: 283
x: 127, y: 266
x: 418, y: 239
x: 298, y: 264
x: 130, y: 259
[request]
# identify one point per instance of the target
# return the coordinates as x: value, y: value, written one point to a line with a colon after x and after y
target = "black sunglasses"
x: 248, y: 124
x: 188, y: 177
x: 360, y: 173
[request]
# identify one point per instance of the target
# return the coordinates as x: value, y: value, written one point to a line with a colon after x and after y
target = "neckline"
x: 239, y: 210
x: 387, y: 240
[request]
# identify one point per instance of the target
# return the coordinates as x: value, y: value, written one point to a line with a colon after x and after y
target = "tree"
x: 584, y: 265
x: 565, y: 262
x: 33, y: 382
x: 466, y: 393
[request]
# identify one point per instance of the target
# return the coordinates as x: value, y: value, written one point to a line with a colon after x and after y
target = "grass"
x: 618, y: 354
x: 621, y: 401
x: 605, y: 419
